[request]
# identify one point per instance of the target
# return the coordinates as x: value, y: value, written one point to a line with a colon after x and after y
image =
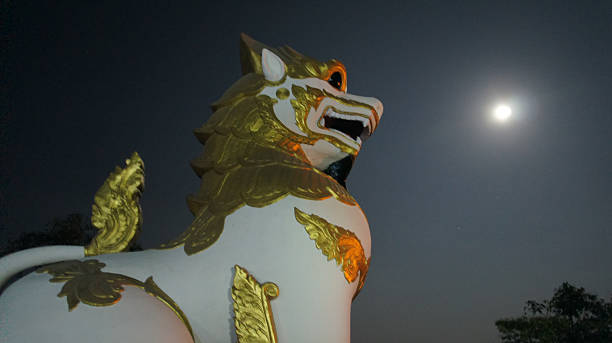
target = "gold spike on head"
x: 298, y: 65
x: 250, y: 54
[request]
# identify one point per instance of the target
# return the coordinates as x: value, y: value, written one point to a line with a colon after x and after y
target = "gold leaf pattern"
x: 116, y: 211
x: 84, y: 281
x: 252, y: 311
x: 338, y: 244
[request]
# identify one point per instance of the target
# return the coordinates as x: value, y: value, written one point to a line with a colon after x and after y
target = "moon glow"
x: 502, y: 113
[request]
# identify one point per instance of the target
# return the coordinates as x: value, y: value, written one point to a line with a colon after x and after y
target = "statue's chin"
x: 329, y: 159
x: 322, y: 154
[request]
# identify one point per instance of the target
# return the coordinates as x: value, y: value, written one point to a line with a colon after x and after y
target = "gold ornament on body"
x: 338, y: 244
x: 116, y: 211
x: 252, y: 311
x: 84, y: 281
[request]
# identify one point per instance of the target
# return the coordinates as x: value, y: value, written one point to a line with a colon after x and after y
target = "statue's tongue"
x: 352, y: 128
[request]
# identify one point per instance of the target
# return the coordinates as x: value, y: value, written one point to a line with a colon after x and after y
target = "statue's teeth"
x: 333, y: 114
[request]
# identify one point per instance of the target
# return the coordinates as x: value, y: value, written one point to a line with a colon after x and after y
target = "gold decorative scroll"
x: 252, y: 311
x: 338, y: 244
x: 116, y: 211
x: 84, y: 281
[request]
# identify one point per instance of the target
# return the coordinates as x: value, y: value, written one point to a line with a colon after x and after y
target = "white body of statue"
x: 272, y: 203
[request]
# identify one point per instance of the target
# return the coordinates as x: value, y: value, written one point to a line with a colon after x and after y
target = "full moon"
x: 502, y: 113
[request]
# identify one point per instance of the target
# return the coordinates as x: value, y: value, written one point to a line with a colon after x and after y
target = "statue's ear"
x: 273, y: 67
x: 250, y: 54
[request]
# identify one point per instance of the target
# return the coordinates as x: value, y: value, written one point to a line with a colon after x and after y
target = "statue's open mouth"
x: 355, y: 126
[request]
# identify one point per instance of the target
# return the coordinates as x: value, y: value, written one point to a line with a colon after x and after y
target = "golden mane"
x: 251, y: 158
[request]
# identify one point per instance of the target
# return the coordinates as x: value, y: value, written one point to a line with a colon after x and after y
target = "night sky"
x: 469, y: 218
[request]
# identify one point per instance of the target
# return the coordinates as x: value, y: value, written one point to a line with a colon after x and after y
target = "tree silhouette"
x: 571, y: 316
x: 70, y: 230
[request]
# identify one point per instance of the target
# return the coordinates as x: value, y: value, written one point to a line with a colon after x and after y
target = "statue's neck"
x: 340, y: 169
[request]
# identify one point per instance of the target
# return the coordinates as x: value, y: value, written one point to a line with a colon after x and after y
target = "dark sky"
x: 469, y: 219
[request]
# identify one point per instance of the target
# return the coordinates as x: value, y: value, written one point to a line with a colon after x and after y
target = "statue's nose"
x: 378, y: 107
x: 377, y: 110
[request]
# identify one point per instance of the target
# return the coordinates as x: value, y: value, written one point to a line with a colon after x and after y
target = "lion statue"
x: 277, y: 250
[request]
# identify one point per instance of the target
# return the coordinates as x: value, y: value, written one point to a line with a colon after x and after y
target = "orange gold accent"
x: 337, y: 243
x: 338, y: 67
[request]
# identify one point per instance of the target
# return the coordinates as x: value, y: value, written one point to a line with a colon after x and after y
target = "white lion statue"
x: 272, y: 208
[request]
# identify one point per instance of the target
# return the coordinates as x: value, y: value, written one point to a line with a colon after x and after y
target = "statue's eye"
x: 335, y: 80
